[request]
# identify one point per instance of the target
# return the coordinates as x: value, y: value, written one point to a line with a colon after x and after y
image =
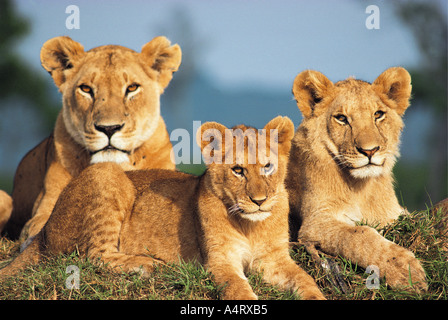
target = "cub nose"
x: 109, y: 130
x: 258, y: 201
x: 368, y: 152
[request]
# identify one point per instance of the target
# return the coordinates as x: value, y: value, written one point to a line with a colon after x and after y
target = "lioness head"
x: 358, y: 123
x: 247, y: 166
x: 110, y: 93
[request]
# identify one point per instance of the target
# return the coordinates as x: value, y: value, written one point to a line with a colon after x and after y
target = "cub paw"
x: 312, y: 294
x: 403, y: 270
x: 244, y: 294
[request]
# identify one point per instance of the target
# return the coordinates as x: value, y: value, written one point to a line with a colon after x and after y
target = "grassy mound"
x: 423, y: 232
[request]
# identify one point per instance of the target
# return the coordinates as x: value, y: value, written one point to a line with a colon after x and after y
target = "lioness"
x: 110, y: 112
x: 340, y: 169
x: 232, y: 218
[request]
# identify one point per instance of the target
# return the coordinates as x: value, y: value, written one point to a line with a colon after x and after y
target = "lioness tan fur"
x: 5, y: 208
x: 110, y: 112
x: 340, y: 169
x: 232, y: 218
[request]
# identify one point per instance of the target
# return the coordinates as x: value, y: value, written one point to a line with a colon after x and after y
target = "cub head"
x: 247, y: 166
x: 358, y: 123
x: 110, y: 93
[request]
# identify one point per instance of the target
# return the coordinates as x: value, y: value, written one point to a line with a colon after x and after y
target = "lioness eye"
x: 379, y: 114
x: 341, y: 118
x: 132, y: 88
x: 238, y: 170
x: 86, y: 89
x: 268, y: 169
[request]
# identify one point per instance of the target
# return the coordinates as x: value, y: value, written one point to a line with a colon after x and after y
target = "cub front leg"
x: 236, y: 286
x: 286, y: 274
x: 365, y: 246
x: 228, y: 271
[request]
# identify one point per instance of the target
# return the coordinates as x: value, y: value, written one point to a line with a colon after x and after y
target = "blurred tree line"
x: 17, y: 78
x: 421, y: 183
x: 417, y: 183
x: 20, y: 85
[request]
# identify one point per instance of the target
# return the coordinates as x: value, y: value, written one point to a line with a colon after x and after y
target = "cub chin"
x: 232, y: 219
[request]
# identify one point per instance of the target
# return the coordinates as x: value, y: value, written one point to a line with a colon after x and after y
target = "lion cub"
x: 232, y: 218
x: 340, y: 169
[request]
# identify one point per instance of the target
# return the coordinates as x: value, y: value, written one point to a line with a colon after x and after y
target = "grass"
x: 423, y: 232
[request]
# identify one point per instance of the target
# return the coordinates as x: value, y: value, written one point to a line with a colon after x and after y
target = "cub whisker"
x: 234, y: 209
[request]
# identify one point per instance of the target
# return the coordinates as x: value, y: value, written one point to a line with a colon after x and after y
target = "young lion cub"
x: 232, y: 218
x: 340, y: 169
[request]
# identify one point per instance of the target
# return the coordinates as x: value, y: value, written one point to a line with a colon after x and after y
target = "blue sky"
x: 243, y: 43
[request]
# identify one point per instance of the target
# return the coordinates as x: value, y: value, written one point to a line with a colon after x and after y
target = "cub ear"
x: 210, y: 138
x: 60, y: 54
x: 162, y: 57
x: 285, y: 131
x: 309, y: 88
x: 284, y: 126
x: 395, y: 84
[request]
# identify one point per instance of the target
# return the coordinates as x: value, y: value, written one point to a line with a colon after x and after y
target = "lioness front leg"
x: 365, y: 246
x: 56, y: 180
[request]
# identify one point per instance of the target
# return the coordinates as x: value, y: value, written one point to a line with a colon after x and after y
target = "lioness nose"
x: 258, y: 201
x: 368, y: 152
x: 109, y: 130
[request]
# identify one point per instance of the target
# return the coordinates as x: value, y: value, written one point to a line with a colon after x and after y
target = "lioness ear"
x: 60, y: 54
x: 162, y: 57
x: 210, y: 138
x: 285, y: 131
x: 395, y: 83
x: 309, y: 88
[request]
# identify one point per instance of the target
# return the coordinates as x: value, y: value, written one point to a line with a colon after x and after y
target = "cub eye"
x: 268, y: 169
x: 86, y: 89
x: 379, y: 114
x: 238, y: 171
x: 341, y: 118
x: 133, y: 87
